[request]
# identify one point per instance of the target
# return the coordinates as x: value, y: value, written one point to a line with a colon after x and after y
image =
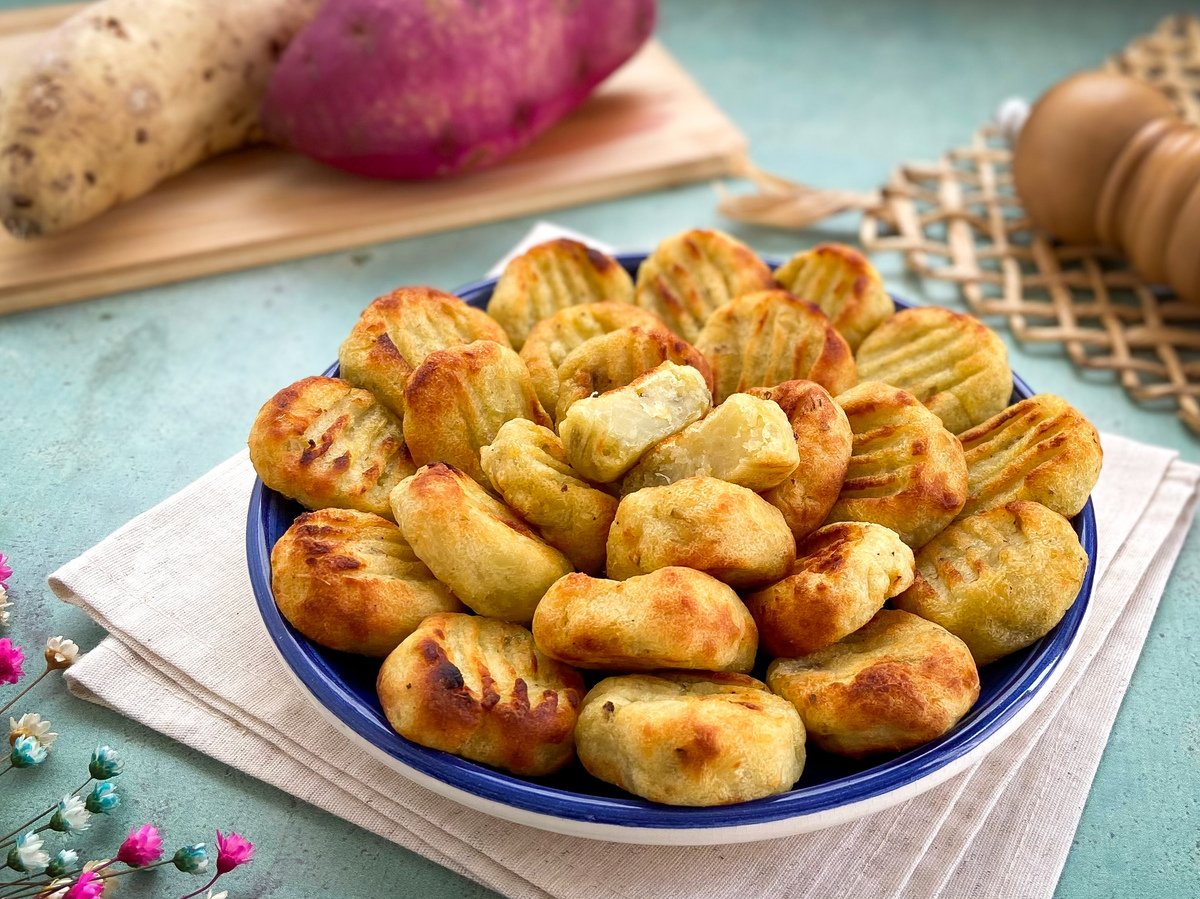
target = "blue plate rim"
x: 1040, y: 665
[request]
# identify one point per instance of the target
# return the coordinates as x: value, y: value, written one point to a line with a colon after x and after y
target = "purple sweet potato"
x: 422, y: 88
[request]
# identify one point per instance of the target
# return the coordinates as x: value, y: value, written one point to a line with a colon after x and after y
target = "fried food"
x: 764, y: 338
x: 670, y: 618
x: 906, y: 472
x: 953, y: 363
x: 325, y: 443
x: 703, y: 523
x: 458, y: 398
x: 553, y: 339
x: 745, y: 440
x: 550, y: 277
x: 527, y: 464
x: 842, y: 576
x: 613, y: 360
x: 350, y: 581
x: 479, y: 688
x: 1041, y: 449
x: 896, y: 683
x: 846, y: 287
x: 689, y: 275
x: 824, y: 439
x: 397, y: 331
x: 474, y: 544
x: 604, y: 436
x: 690, y: 739
x: 998, y: 580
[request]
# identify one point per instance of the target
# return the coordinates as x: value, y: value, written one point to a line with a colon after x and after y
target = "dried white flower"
x: 61, y: 652
x: 31, y: 725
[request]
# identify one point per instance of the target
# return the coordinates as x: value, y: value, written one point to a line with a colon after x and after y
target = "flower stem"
x: 9, y: 837
x: 203, y: 888
x: 168, y: 861
x: 4, y: 771
x: 8, y: 705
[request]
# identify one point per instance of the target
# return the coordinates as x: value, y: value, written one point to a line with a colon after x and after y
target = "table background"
x: 108, y: 406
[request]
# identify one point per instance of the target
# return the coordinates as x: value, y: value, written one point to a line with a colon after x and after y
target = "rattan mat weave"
x: 959, y: 220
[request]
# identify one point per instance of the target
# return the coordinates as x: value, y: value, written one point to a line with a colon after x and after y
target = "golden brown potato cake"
x: 998, y: 580
x: 458, y: 398
x: 842, y: 576
x: 689, y: 275
x: 553, y: 339
x: 350, y: 581
x: 953, y: 363
x: 896, y: 683
x: 703, y: 523
x: 907, y: 472
x: 550, y: 277
x: 398, y: 330
x: 768, y: 337
x: 690, y: 739
x: 479, y: 688
x: 615, y: 359
x: 527, y: 464
x: 474, y: 544
x: 670, y: 618
x: 325, y: 443
x: 745, y: 440
x: 841, y: 281
x: 1042, y: 449
x: 823, y: 436
x: 605, y: 435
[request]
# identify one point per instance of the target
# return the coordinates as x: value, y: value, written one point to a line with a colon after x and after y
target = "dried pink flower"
x: 232, y: 850
x: 11, y: 660
x: 88, y: 886
x: 142, y: 847
x: 5, y: 571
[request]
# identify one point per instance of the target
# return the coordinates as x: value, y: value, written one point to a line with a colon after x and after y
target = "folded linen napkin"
x: 961, y: 839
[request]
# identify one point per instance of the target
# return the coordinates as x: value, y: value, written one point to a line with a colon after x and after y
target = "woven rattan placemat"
x: 959, y: 220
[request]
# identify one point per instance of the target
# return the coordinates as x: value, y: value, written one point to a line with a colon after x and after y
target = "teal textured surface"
x: 111, y: 405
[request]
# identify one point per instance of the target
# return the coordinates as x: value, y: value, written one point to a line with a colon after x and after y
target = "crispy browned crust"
x: 843, y: 283
x: 704, y: 523
x: 350, y: 581
x: 906, y: 472
x: 1041, y: 449
x: 324, y: 443
x: 842, y: 576
x: 397, y: 331
x: 689, y: 275
x: 951, y: 362
x: 671, y: 618
x: 764, y: 338
x: 618, y: 358
x: 553, y: 339
x: 690, y: 739
x: 479, y: 688
x: 475, y: 544
x: 457, y: 400
x: 896, y: 683
x: 1000, y: 579
x: 824, y: 439
x: 553, y: 276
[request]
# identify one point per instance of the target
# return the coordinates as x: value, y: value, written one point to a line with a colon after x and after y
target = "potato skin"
x: 395, y: 333
x: 998, y: 580
x: 690, y: 739
x: 824, y: 439
x: 842, y: 576
x: 127, y: 93
x: 670, y: 618
x: 474, y: 544
x: 419, y: 90
x: 324, y: 443
x: 479, y: 688
x: 528, y: 465
x: 844, y: 284
x: 703, y: 523
x: 350, y: 581
x: 896, y: 683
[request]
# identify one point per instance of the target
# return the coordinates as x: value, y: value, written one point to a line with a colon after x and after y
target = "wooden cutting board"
x: 649, y: 126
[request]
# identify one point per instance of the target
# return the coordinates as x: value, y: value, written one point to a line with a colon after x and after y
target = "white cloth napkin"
x: 1001, y: 829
